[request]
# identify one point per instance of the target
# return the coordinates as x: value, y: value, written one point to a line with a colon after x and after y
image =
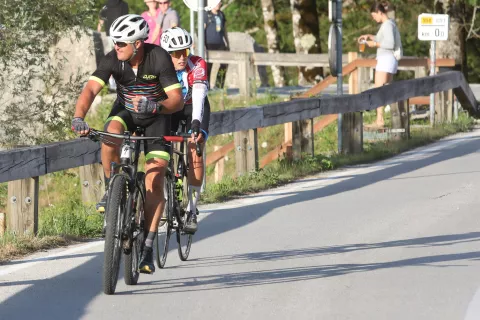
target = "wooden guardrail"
x: 26, y: 163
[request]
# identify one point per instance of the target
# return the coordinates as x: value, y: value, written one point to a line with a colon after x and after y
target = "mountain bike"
x: 124, y: 214
x: 176, y: 194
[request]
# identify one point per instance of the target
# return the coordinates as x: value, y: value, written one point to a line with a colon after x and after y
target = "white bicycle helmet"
x: 129, y: 28
x: 176, y: 38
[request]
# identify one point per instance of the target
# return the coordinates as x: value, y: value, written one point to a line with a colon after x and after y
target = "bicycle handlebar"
x: 178, y: 137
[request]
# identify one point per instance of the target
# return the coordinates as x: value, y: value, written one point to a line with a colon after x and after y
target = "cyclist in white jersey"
x: 192, y: 75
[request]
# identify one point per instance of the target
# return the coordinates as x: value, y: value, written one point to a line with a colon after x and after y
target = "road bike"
x: 124, y: 214
x: 176, y: 194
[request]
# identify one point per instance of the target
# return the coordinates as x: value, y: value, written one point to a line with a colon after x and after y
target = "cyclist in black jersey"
x: 147, y: 93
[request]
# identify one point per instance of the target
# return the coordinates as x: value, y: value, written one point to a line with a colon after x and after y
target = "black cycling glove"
x: 195, y: 127
x: 79, y: 125
x: 146, y: 106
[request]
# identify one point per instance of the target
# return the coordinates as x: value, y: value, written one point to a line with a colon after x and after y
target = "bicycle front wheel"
x: 113, y: 236
x: 166, y: 224
x: 132, y: 260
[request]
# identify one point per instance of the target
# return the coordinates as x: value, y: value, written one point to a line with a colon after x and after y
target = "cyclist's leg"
x: 196, y: 168
x: 157, y: 158
x: 118, y: 121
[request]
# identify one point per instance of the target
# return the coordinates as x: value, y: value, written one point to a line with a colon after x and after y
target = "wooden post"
x: 246, y: 73
x: 420, y: 72
x: 3, y: 224
x: 288, y: 129
x: 439, y: 109
x: 246, y: 151
x: 363, y: 78
x: 302, y: 138
x: 93, y: 184
x: 400, y: 120
x: 352, y: 125
x: 22, y: 206
x: 219, y: 166
x: 449, y: 105
x: 352, y: 131
x: 353, y: 81
x: 444, y: 104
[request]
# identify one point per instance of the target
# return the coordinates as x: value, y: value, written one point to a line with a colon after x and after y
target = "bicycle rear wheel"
x: 132, y: 260
x: 166, y: 224
x: 113, y: 236
x: 184, y: 240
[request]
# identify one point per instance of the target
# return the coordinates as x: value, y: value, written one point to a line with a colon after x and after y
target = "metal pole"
x: 192, y: 28
x: 200, y: 28
x: 432, y: 73
x: 339, y: 70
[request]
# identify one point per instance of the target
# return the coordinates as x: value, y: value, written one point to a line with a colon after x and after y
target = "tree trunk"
x: 306, y: 36
x: 454, y: 47
x: 272, y: 40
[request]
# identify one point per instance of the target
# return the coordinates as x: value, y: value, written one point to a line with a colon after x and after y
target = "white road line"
x: 19, y: 265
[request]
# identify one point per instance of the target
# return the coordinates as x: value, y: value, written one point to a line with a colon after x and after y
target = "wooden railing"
x: 246, y: 62
x: 22, y: 167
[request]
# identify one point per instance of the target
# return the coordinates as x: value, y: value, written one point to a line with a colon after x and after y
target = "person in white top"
x: 384, y: 41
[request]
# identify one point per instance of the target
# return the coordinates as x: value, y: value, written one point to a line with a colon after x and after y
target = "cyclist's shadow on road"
x: 224, y: 220
x: 64, y: 296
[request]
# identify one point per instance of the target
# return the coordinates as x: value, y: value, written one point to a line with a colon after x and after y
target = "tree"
x: 272, y: 40
x: 306, y: 35
x: 36, y: 102
x: 454, y: 47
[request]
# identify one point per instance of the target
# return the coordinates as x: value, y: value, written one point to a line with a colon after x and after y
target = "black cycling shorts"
x: 186, y: 114
x: 154, y: 125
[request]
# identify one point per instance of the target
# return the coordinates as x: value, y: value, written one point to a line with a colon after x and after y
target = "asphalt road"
x: 397, y: 239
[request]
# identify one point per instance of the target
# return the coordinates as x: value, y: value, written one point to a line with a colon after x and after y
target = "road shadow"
x: 64, y: 296
x: 312, y: 272
x: 267, y: 256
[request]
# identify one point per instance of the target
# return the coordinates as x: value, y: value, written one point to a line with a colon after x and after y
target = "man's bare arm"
x: 86, y: 98
x: 174, y: 103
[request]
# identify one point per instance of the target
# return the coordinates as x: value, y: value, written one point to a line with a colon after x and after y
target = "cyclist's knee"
x: 115, y: 125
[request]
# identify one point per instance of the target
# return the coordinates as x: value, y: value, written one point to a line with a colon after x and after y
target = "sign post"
x: 433, y: 27
x: 335, y: 55
x: 200, y: 6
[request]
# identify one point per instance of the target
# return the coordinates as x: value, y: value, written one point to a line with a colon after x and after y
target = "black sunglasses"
x: 121, y: 44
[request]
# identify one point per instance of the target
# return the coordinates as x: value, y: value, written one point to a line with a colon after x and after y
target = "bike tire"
x: 184, y: 240
x: 132, y: 260
x: 165, y: 227
x: 114, y: 212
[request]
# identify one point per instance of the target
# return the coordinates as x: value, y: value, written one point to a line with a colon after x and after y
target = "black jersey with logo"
x: 155, y: 75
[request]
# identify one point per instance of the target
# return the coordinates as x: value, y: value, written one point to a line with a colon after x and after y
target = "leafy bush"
x: 37, y: 103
